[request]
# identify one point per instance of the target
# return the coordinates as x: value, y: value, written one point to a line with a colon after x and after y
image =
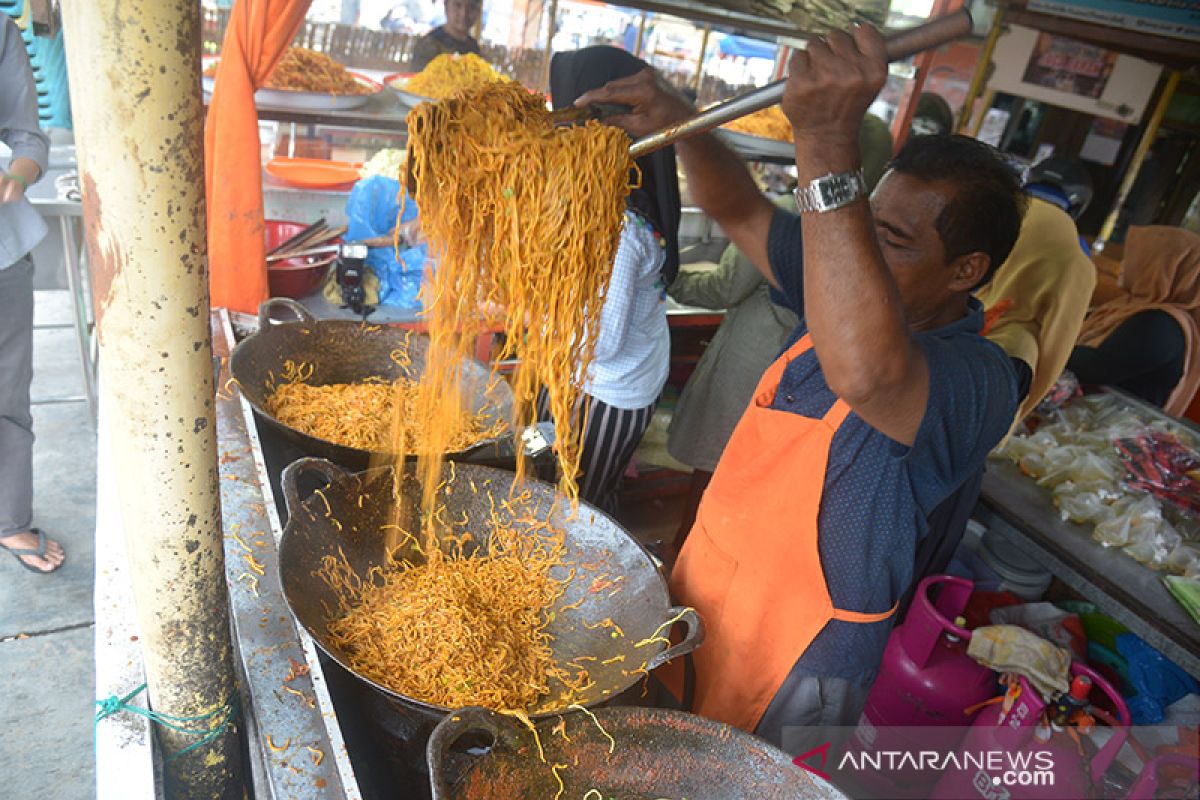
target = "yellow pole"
x: 139, y: 125
x: 977, y: 126
x: 550, y: 25
x: 1135, y: 165
x: 700, y: 61
x: 637, y: 47
x: 979, y: 79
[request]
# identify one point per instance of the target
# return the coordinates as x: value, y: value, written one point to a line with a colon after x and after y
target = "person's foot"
x: 51, y: 560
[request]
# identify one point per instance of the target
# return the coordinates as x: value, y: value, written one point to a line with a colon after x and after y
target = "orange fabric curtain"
x: 258, y: 34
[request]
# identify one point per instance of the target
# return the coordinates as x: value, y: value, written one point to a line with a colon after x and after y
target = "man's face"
x: 905, y: 210
x: 461, y: 16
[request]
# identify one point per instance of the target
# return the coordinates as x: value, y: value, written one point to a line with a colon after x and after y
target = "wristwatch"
x: 831, y: 192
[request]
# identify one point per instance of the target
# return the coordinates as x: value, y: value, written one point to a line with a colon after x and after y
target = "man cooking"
x: 885, y: 400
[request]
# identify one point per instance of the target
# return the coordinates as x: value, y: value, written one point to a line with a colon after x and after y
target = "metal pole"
x: 700, y: 61
x: 66, y: 228
x: 903, y: 120
x: 637, y: 47
x: 934, y: 33
x: 979, y: 79
x: 988, y: 98
x: 1139, y: 155
x: 550, y: 25
x: 139, y: 126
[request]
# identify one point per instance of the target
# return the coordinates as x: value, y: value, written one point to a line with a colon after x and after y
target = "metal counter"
x: 293, y: 733
x: 1127, y: 591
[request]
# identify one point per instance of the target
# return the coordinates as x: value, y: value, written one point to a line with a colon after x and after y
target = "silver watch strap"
x: 831, y: 192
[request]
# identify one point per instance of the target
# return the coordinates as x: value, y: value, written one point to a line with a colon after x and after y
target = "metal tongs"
x: 933, y: 33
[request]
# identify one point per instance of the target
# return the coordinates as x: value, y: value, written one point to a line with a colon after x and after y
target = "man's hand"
x: 832, y: 83
x: 12, y: 188
x: 656, y: 104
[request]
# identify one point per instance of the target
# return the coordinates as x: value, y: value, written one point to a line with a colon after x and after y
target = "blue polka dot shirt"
x: 879, y: 493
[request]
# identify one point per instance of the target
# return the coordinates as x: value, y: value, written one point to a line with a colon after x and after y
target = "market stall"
x: 317, y: 723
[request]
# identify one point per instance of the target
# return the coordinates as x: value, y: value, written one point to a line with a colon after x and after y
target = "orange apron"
x: 751, y: 565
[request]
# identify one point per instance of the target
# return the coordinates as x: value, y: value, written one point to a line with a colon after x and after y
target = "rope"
x: 223, y: 714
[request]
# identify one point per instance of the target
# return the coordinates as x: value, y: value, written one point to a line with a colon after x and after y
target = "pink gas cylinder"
x: 926, y: 680
x: 1015, y: 754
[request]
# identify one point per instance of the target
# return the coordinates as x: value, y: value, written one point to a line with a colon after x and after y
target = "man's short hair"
x: 984, y: 215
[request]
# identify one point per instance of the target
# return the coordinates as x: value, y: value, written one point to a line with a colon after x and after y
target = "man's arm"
x: 717, y: 178
x: 851, y: 302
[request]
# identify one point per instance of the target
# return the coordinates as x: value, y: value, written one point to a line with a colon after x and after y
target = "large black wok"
x: 346, y: 351
x: 654, y: 753
x: 615, y: 577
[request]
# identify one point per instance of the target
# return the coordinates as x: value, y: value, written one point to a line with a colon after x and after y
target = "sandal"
x: 40, y: 552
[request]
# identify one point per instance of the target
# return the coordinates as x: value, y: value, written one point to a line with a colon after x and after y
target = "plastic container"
x: 1010, y: 568
x: 296, y: 278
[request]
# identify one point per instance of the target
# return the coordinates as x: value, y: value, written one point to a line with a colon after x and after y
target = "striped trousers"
x: 609, y: 439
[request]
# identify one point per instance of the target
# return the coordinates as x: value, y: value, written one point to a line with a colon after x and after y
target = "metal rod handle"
x: 933, y: 33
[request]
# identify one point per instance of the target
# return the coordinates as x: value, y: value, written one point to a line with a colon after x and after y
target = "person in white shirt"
x: 633, y: 344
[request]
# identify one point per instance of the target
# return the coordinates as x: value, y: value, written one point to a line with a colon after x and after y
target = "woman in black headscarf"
x: 633, y: 344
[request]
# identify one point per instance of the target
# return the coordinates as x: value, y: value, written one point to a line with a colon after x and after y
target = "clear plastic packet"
x: 1083, y: 507
x: 1133, y: 521
x: 1153, y: 545
x: 1184, y: 560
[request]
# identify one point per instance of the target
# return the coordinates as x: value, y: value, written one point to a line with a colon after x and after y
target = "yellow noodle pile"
x: 304, y: 70
x: 525, y: 217
x: 450, y: 73
x: 460, y: 629
x: 360, y: 415
x: 770, y: 123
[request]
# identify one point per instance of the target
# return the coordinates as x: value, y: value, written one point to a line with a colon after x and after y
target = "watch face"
x: 837, y: 191
x: 830, y: 192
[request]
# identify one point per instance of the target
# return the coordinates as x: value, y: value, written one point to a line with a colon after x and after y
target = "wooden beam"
x: 1175, y: 53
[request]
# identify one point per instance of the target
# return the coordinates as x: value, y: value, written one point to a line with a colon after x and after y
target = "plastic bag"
x: 371, y: 210
x: 1159, y: 463
x: 1132, y: 521
x: 1064, y: 390
x: 1184, y: 560
x: 1053, y: 624
x: 1151, y: 545
x: 1083, y: 506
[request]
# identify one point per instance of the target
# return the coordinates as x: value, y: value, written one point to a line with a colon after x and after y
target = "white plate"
x: 398, y: 80
x: 283, y: 100
x: 750, y: 146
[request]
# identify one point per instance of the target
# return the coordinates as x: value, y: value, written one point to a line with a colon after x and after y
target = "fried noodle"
x: 304, y: 70
x: 769, y: 123
x: 449, y: 74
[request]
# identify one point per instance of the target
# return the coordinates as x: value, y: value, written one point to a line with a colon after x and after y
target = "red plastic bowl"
x: 294, y: 277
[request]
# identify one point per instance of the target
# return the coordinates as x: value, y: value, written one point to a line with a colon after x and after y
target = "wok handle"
x: 472, y: 719
x: 290, y: 479
x: 691, y: 639
x: 301, y: 313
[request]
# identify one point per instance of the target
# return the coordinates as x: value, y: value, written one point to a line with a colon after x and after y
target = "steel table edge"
x: 997, y: 516
x: 297, y: 714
